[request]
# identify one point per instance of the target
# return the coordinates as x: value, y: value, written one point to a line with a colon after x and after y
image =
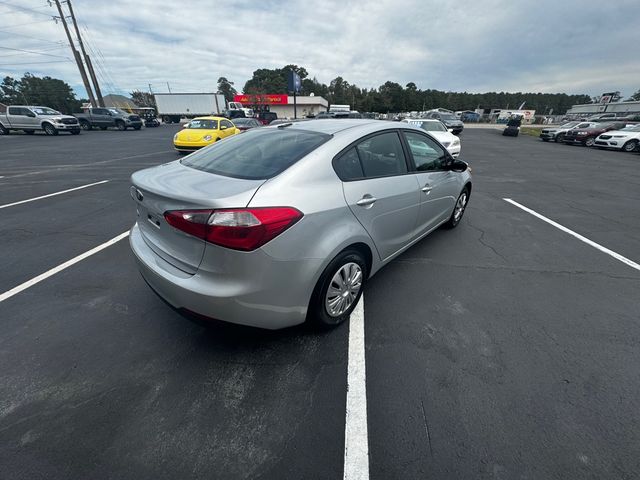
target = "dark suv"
x: 449, y: 119
x: 587, y: 136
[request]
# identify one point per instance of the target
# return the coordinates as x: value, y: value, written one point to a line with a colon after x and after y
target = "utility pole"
x: 150, y: 91
x: 76, y: 55
x: 87, y: 60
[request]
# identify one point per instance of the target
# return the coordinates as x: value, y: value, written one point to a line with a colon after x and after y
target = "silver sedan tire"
x: 458, y: 210
x: 339, y: 289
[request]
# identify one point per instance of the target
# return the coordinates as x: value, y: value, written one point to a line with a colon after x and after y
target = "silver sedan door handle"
x: 366, y: 200
x: 427, y: 188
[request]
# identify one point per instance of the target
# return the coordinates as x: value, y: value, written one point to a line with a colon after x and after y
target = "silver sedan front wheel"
x: 458, y: 210
x: 343, y: 289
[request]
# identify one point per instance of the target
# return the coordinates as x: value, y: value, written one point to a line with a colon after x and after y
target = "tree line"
x: 45, y: 91
x: 393, y: 97
x: 388, y: 97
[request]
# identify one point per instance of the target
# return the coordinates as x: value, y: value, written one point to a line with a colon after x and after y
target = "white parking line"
x: 51, y: 194
x: 611, y: 253
x: 59, y: 268
x: 356, y: 438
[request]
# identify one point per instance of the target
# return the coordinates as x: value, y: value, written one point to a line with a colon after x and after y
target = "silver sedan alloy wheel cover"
x: 460, y: 206
x: 343, y: 289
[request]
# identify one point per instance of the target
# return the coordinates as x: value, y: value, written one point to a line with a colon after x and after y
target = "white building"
x: 305, y: 106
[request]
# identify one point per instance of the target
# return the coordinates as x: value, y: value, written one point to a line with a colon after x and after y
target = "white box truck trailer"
x: 173, y: 106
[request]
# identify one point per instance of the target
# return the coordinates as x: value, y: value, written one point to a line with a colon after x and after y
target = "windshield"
x: 117, y: 111
x: 428, y: 126
x: 632, y: 128
x: 45, y: 111
x: 448, y: 116
x: 257, y: 154
x: 243, y: 121
x: 203, y: 125
x: 569, y: 124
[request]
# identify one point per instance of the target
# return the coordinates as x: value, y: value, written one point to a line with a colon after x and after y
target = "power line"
x: 24, y: 9
x: 35, y: 63
x: 31, y: 51
x: 42, y: 49
x: 23, y: 24
x: 32, y: 38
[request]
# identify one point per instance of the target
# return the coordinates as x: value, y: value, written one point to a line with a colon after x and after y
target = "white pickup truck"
x: 29, y: 119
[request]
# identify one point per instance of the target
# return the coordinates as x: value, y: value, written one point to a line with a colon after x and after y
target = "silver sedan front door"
x: 385, y: 199
x: 439, y: 187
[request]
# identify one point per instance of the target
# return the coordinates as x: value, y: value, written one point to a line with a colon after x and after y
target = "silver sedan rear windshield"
x: 256, y: 154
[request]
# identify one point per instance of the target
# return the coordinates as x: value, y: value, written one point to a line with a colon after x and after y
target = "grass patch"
x: 533, y: 131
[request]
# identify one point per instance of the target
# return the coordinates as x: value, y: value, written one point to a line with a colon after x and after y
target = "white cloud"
x: 571, y: 46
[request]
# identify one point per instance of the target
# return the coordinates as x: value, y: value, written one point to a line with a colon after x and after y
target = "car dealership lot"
x: 505, y: 348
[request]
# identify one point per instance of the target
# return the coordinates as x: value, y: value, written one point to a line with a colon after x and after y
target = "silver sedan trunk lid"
x: 174, y: 186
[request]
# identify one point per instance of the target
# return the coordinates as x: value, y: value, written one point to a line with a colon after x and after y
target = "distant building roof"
x: 116, y: 101
x: 309, y: 100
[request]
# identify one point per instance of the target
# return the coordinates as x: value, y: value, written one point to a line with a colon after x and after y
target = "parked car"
x: 602, y: 117
x: 203, y: 131
x: 104, y: 118
x: 449, y: 119
x: 285, y: 223
x: 557, y: 133
x: 30, y: 119
x: 626, y: 139
x: 587, y: 136
x: 244, y: 124
x: 439, y: 131
x: 266, y: 117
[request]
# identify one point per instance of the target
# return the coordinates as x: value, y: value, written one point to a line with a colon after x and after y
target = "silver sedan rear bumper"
x: 247, y: 288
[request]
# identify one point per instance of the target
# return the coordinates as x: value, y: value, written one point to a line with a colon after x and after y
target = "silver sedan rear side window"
x: 257, y: 154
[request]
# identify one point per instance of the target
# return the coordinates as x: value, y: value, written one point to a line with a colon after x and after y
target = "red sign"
x: 262, y: 99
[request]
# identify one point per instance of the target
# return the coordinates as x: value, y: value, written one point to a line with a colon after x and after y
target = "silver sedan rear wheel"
x: 343, y: 289
x: 339, y: 288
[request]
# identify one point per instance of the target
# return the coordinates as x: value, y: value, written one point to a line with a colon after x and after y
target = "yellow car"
x: 203, y: 131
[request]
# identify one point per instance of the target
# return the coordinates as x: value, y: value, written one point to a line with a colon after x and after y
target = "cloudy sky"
x: 571, y: 46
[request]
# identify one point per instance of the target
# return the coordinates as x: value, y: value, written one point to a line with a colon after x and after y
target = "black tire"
x: 589, y: 142
x: 3, y: 130
x: 121, y: 126
x: 630, y: 146
x: 50, y: 129
x: 318, y: 312
x: 456, y: 214
x: 85, y: 125
x: 103, y: 128
x: 29, y: 132
x: 559, y: 137
x: 217, y: 139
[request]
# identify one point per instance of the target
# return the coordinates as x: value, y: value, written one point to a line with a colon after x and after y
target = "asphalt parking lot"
x: 506, y: 348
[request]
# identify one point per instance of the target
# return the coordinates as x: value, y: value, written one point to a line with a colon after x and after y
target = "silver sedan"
x: 287, y: 223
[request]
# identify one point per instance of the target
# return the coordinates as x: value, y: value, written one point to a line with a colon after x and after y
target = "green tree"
x: 10, y: 91
x: 266, y: 80
x: 46, y: 91
x: 225, y: 87
x: 143, y: 99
